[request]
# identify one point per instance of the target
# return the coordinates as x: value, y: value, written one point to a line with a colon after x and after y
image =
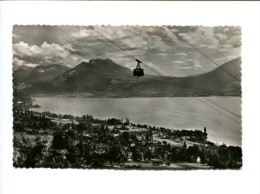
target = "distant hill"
x: 105, y: 78
x: 224, y: 80
x: 20, y: 74
x: 44, y: 73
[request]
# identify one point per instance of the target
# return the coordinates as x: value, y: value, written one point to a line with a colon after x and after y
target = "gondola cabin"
x: 138, y: 71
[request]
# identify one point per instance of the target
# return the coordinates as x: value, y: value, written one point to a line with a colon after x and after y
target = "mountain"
x: 105, y: 78
x: 44, y: 73
x: 20, y: 74
x: 224, y: 80
x: 97, y: 75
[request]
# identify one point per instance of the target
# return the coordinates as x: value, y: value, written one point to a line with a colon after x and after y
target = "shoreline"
x: 63, y: 120
x: 85, y: 95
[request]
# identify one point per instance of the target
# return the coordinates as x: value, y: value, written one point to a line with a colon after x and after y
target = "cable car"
x: 138, y: 71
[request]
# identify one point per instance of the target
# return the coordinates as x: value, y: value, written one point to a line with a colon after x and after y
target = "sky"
x: 170, y: 50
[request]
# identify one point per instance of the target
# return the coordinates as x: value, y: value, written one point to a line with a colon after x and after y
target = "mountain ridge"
x: 43, y: 73
x: 105, y: 78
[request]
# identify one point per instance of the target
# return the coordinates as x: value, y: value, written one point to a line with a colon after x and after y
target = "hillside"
x: 43, y: 73
x: 97, y: 75
x: 224, y: 80
x: 20, y: 74
x: 105, y: 78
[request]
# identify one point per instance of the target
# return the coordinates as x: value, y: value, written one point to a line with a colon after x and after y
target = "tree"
x: 19, y: 126
x: 66, y: 127
x: 137, y: 153
x: 127, y: 122
x: 35, y: 156
x: 60, y: 140
x: 125, y: 138
x: 184, y: 145
x: 174, y: 154
x: 214, y: 160
x: 81, y: 127
x: 117, y: 154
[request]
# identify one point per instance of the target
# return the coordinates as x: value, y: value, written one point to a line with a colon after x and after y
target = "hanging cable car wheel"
x: 138, y: 71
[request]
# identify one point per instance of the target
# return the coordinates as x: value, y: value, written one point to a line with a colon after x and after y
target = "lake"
x: 221, y: 115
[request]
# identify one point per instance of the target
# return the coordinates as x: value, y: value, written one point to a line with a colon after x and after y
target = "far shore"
x: 87, y: 95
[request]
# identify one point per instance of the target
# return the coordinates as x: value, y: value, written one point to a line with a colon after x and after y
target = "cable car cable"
x: 95, y: 56
x: 203, y: 54
x: 155, y: 71
x: 112, y: 42
x: 121, y: 70
x: 219, y: 123
x: 163, y: 75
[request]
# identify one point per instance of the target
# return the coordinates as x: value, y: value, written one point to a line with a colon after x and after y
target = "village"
x: 44, y: 139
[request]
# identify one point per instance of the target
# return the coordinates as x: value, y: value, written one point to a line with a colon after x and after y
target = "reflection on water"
x: 221, y: 115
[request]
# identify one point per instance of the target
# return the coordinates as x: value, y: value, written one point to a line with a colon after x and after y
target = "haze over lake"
x: 170, y: 112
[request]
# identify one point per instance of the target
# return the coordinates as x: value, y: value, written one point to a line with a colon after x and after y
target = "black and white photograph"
x: 127, y: 97
x: 132, y: 97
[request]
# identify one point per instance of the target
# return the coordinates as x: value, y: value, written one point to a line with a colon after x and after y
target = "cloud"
x: 31, y: 65
x: 144, y: 43
x: 178, y: 62
x: 81, y: 33
x: 189, y: 64
x: 18, y: 62
x: 163, y: 54
x: 158, y: 47
x: 45, y: 54
x: 45, y: 50
x: 229, y: 37
x: 16, y: 36
x: 181, y: 54
x: 216, y: 38
x: 221, y: 37
x: 201, y: 37
x: 194, y: 64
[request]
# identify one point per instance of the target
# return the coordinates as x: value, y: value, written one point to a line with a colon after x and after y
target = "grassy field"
x: 172, y: 166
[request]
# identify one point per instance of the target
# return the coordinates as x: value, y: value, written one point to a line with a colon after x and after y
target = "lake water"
x: 221, y: 115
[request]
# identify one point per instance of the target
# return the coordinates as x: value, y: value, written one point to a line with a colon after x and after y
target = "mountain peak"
x: 95, y: 62
x: 43, y: 73
x: 98, y: 61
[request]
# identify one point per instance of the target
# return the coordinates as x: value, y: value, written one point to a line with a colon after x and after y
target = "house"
x: 195, y: 159
x: 198, y: 160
